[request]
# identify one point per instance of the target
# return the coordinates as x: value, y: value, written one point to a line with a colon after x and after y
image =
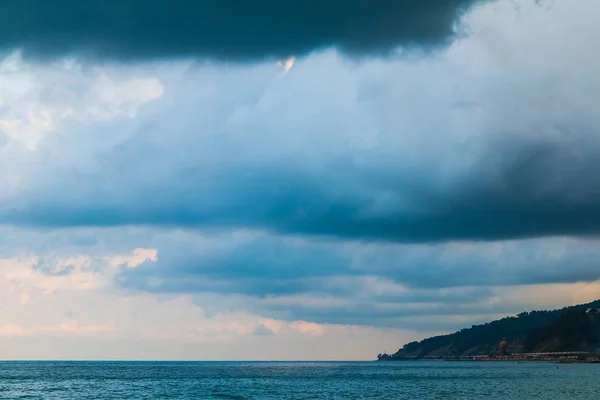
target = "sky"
x: 292, y: 180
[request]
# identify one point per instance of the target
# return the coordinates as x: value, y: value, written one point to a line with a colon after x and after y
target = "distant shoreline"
x: 516, y: 358
x: 556, y: 360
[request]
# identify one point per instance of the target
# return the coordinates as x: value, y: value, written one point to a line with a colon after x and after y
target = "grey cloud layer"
x: 236, y: 30
x: 321, y: 281
x: 542, y: 193
x: 433, y: 150
x: 271, y: 265
x: 353, y: 283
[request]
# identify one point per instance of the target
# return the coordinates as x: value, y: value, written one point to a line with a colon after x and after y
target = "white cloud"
x: 24, y: 298
x: 74, y: 273
x: 38, y: 99
x: 287, y: 64
x: 63, y: 329
x: 227, y: 327
x: 135, y: 259
x: 308, y: 328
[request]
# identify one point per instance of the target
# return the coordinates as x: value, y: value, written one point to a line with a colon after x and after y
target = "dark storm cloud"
x: 235, y: 30
x: 274, y: 266
x: 353, y: 283
x: 519, y: 189
x: 259, y: 267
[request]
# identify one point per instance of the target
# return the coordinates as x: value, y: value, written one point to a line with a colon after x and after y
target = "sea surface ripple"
x: 297, y: 380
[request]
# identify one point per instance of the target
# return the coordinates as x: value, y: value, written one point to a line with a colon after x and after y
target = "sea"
x: 297, y: 380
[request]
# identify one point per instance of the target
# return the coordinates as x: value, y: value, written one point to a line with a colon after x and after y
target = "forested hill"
x: 575, y: 328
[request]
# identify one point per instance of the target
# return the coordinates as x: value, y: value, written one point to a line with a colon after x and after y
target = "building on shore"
x: 502, y: 347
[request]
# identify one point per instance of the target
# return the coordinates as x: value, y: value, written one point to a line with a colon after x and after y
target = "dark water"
x: 297, y: 380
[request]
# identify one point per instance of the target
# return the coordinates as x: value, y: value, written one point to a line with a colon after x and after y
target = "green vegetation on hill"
x: 567, y: 329
x: 574, y: 330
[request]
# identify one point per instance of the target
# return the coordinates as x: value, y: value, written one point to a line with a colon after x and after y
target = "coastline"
x: 517, y: 358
